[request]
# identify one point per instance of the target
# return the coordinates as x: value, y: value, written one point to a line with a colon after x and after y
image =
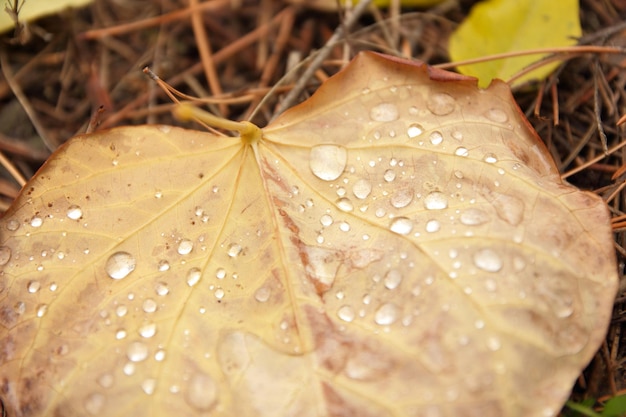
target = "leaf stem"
x: 248, y: 132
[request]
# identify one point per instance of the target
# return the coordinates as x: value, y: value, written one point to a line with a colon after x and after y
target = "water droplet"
x: 389, y: 175
x: 497, y: 115
x: 461, y: 151
x: 5, y: 255
x: 344, y: 226
x: 201, y: 392
x: 193, y: 276
x: 164, y: 265
x: 74, y: 212
x: 161, y: 288
x: 435, y: 138
x: 120, y: 334
x: 106, y: 380
x: 384, y: 112
x: 393, y: 278
x: 326, y: 220
x: 361, y: 189
x: 219, y: 293
x: 147, y: 330
x: 386, y: 314
x: 36, y: 221
x: 493, y: 343
x: 414, y: 130
x: 401, y: 225
x: 433, y: 226
x: 220, y: 273
x: 262, y: 294
x: 457, y: 135
x: 129, y: 369
x: 159, y: 355
x: 490, y: 158
x: 440, y: 104
x: 327, y: 162
x: 13, y: 225
x: 137, y: 351
x: 488, y: 260
x: 185, y: 247
x: 94, y: 403
x: 346, y: 313
x: 33, y: 286
x: 344, y: 204
x: 148, y: 385
x: 234, y: 250
x: 402, y: 198
x: 149, y: 305
x: 435, y: 200
x: 474, y: 217
x: 120, y: 264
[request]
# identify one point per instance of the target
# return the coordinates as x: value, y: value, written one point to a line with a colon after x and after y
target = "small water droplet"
x: 163, y: 265
x: 474, y: 217
x: 440, y: 104
x: 435, y: 200
x: 148, y: 330
x: 120, y: 264
x: 488, y: 260
x: 490, y: 158
x: 346, y: 313
x: 148, y: 385
x: 94, y: 403
x: 344, y: 226
x: 120, y: 334
x: 42, y: 309
x: 161, y: 288
x: 393, y: 278
x: 461, y: 151
x: 457, y: 135
x: 401, y: 225
x: 106, y: 380
x: 234, y: 250
x: 435, y: 138
x: 193, y: 276
x: 219, y: 293
x: 185, y: 247
x: 402, y: 198
x: 361, y: 189
x: 149, y: 305
x: 33, y: 286
x: 344, y: 204
x: 497, y: 115
x: 384, y: 112
x: 201, y: 392
x: 159, y: 355
x: 414, y: 130
x: 137, y: 352
x: 386, y: 314
x: 389, y: 175
x: 5, y: 255
x: 220, y: 273
x: 128, y: 369
x: 433, y: 226
x: 493, y: 343
x: 262, y: 294
x: 326, y: 220
x: 74, y: 212
x: 36, y: 221
x: 327, y: 162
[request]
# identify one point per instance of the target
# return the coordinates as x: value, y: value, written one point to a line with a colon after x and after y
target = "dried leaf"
x: 32, y: 9
x: 398, y: 245
x: 498, y: 26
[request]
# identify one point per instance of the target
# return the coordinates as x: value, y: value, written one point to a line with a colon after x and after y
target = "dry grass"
x: 235, y: 51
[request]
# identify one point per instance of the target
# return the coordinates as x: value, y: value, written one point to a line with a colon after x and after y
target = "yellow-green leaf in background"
x: 32, y: 9
x: 497, y: 26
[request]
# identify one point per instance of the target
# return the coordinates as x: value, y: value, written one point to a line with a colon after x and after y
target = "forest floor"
x: 82, y: 69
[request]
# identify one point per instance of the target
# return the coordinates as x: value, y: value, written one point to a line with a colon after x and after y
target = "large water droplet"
x: 201, y: 392
x: 137, y: 351
x: 488, y: 260
x: 435, y: 138
x: 461, y: 151
x: 344, y: 204
x: 193, y: 276
x: 441, y: 104
x: 384, y: 112
x: 401, y: 225
x: 185, y: 247
x: 120, y: 264
x: 361, y: 189
x: 402, y: 198
x: 5, y: 255
x: 490, y: 158
x: 346, y: 313
x: 474, y: 217
x: 393, y: 278
x: 74, y: 212
x: 386, y: 314
x: 327, y: 162
x: 36, y: 221
x: 148, y: 330
x: 435, y: 200
x: 234, y: 250
x: 414, y: 130
x: 33, y: 286
x: 389, y: 175
x: 433, y: 226
x: 149, y: 305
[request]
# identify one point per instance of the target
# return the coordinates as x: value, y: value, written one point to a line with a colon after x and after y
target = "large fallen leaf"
x: 499, y: 26
x: 398, y: 245
x: 32, y: 9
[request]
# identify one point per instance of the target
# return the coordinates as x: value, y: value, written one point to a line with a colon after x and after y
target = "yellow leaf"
x: 32, y: 9
x: 498, y: 26
x: 401, y: 244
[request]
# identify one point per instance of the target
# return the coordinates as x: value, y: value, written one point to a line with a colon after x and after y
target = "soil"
x: 81, y: 70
